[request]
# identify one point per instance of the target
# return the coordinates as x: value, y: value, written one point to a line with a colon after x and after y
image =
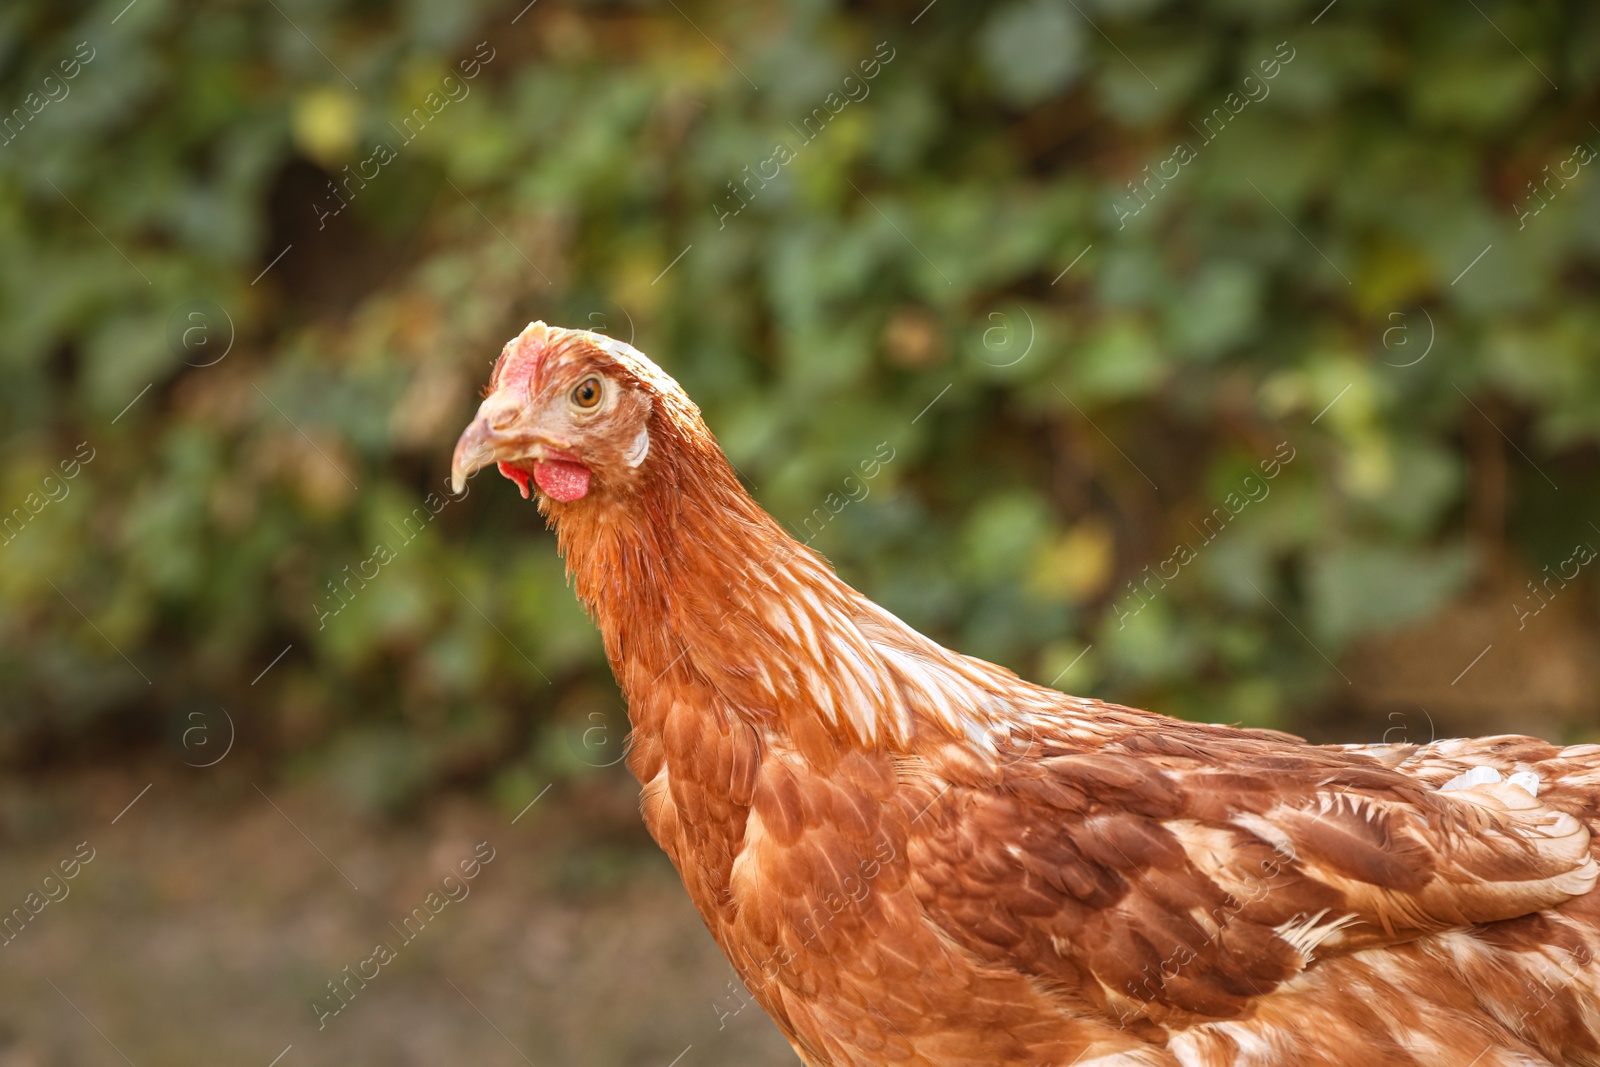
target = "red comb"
x: 520, y: 359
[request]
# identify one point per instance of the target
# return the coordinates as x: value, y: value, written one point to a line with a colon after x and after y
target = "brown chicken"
x: 915, y: 857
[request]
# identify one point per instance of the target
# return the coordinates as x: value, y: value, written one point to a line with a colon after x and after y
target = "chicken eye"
x: 586, y: 394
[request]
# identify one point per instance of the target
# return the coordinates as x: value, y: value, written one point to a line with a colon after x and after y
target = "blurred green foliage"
x: 903, y: 279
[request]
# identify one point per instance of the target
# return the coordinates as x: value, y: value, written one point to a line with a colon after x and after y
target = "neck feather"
x: 693, y: 585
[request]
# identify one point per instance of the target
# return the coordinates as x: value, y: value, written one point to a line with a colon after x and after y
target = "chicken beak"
x: 501, y: 432
x: 474, y: 451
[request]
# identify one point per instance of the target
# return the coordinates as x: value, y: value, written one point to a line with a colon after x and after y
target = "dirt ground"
x: 213, y: 914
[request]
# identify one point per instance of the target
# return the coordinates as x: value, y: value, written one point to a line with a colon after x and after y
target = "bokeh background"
x: 1233, y: 359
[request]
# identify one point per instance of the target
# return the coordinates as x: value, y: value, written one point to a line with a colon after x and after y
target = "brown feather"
x: 914, y: 857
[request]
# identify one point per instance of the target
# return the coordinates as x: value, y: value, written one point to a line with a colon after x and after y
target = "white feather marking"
x: 1306, y: 932
x: 1476, y: 776
x: 803, y: 615
x: 778, y: 618
x: 639, y: 449
x: 1526, y: 780
x: 748, y: 863
x: 1268, y: 832
x: 1206, y: 921
x: 854, y: 680
x: 766, y: 677
x: 822, y: 693
x: 862, y: 668
x: 979, y: 737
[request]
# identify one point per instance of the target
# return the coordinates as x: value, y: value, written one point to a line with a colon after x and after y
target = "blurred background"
x: 1236, y: 360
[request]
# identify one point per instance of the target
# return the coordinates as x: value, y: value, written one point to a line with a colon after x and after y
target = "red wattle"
x: 517, y: 475
x: 561, y: 480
